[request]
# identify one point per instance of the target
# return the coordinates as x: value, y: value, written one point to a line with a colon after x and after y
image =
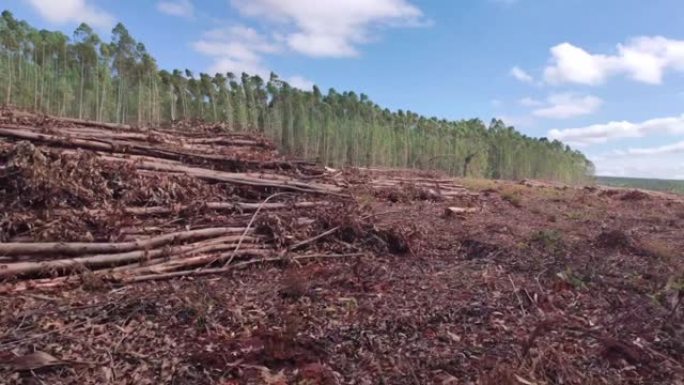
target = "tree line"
x: 119, y: 81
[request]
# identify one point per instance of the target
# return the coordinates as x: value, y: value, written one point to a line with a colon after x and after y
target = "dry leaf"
x: 524, y: 381
x: 273, y: 379
x: 454, y: 337
x: 34, y: 361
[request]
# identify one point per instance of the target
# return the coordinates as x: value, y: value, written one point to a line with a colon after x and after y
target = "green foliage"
x: 569, y: 276
x: 119, y: 81
x: 512, y: 197
x: 550, y: 239
x: 668, y: 185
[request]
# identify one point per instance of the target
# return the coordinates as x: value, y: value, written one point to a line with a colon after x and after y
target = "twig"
x: 515, y: 291
x: 251, y: 221
x: 334, y: 229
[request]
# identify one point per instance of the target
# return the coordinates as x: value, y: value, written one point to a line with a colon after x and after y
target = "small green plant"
x: 659, y: 249
x: 671, y: 295
x: 512, y: 198
x: 569, y: 276
x: 549, y: 239
x: 575, y: 215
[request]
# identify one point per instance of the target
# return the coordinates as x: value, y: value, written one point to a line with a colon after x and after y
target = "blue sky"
x: 605, y: 76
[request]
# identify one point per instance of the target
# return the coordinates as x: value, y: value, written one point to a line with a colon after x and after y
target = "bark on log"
x: 80, y: 248
x: 256, y: 180
x: 92, y: 262
x: 127, y: 147
x: 201, y: 249
x: 218, y: 206
x: 236, y: 266
x: 201, y: 260
x: 90, y: 123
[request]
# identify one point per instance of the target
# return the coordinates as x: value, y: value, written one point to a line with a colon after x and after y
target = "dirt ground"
x: 537, y: 284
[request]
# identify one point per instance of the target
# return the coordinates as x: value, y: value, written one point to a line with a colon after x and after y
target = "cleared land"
x: 189, y: 255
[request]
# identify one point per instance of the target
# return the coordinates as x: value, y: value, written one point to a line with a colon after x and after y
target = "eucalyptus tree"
x: 119, y: 81
x: 86, y: 42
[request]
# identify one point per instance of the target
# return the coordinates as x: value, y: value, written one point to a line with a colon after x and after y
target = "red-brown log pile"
x: 123, y: 204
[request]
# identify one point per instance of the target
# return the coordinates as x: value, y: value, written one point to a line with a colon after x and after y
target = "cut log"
x: 459, y: 211
x: 91, y: 123
x: 92, y: 262
x: 129, y: 147
x: 204, y: 249
x: 126, y: 261
x: 202, y: 260
x: 218, y: 206
x: 236, y: 266
x: 80, y: 248
x: 256, y: 180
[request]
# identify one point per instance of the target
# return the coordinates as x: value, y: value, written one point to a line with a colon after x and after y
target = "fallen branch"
x: 201, y: 260
x: 333, y: 230
x: 251, y: 221
x: 80, y: 248
x: 91, y: 123
x: 236, y: 266
x: 92, y: 262
x: 218, y: 206
x: 179, y: 259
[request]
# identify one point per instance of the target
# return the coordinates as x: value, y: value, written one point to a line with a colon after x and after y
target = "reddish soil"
x: 543, y: 284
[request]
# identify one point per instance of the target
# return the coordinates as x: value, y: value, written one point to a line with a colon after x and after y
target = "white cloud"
x: 181, y: 8
x: 496, y: 103
x: 72, y: 11
x: 568, y: 105
x: 665, y: 166
x: 643, y: 59
x: 332, y: 28
x: 521, y: 75
x: 236, y: 49
x: 601, y: 133
x: 300, y: 82
x: 240, y: 49
x: 674, y: 148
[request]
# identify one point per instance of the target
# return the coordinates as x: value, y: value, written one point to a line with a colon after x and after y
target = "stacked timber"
x: 87, y: 201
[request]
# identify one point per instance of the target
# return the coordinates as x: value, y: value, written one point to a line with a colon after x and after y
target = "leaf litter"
x: 369, y: 282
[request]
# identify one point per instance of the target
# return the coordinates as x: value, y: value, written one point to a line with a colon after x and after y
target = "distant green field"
x: 675, y: 186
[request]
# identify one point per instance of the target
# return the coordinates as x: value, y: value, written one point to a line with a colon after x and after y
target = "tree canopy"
x: 119, y: 81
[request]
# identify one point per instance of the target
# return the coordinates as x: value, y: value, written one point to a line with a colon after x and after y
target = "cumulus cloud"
x: 181, y: 8
x: 239, y: 49
x: 332, y: 28
x: 521, y: 75
x: 601, y: 133
x: 674, y: 148
x: 236, y: 49
x: 642, y: 59
x: 567, y: 105
x: 300, y: 82
x: 72, y: 11
x: 665, y: 165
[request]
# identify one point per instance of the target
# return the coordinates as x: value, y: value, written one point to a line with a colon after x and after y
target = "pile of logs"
x: 434, y: 184
x: 182, y: 237
x: 203, y: 234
